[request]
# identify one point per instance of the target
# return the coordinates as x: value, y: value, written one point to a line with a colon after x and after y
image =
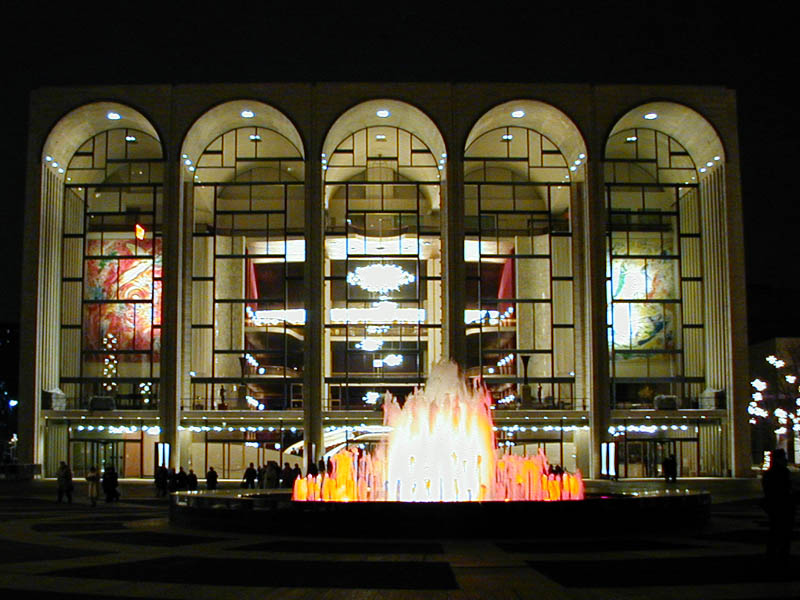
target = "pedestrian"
x: 779, y: 505
x: 262, y: 473
x: 161, y: 476
x: 65, y: 485
x: 93, y: 480
x: 211, y: 479
x: 110, y: 484
x: 191, y: 481
x: 296, y: 472
x: 273, y: 475
x: 182, y: 480
x: 250, y: 475
x: 287, y: 476
x: 172, y: 480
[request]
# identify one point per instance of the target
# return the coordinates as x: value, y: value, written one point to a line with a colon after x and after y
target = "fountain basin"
x: 273, y: 512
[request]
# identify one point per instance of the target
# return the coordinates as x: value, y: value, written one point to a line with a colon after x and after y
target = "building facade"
x: 238, y: 273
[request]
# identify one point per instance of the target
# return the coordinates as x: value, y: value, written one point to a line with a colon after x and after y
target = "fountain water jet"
x: 441, y: 448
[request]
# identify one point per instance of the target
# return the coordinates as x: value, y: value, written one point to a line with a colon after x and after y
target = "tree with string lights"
x: 777, y: 406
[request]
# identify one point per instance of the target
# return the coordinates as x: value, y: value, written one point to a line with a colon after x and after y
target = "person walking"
x: 65, y: 485
x: 93, y: 481
x: 211, y: 479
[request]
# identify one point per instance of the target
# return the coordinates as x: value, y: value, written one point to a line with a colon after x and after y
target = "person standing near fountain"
x: 779, y: 504
x: 211, y: 479
x: 250, y: 476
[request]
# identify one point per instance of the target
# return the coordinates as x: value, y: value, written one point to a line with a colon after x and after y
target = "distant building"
x: 243, y: 270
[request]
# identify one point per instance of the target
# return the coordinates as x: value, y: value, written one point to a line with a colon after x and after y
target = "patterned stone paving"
x: 129, y: 550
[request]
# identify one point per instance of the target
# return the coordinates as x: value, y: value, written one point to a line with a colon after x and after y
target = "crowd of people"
x: 267, y: 476
x: 108, y: 482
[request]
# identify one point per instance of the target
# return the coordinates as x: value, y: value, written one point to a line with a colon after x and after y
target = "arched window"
x: 518, y: 252
x: 248, y: 307
x: 654, y: 271
x: 383, y: 305
x: 111, y: 271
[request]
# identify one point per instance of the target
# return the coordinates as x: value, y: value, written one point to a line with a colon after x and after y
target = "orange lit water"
x: 441, y: 448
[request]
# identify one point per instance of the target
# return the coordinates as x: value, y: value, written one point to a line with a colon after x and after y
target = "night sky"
x: 613, y: 42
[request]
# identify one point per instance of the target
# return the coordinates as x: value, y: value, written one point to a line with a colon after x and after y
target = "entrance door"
x: 97, y: 453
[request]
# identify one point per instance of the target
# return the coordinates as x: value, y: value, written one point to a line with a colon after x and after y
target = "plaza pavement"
x: 130, y: 550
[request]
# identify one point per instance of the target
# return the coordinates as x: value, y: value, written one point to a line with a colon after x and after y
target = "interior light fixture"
x: 48, y: 158
x: 131, y: 139
x: 650, y: 116
x: 113, y: 116
x: 518, y: 114
x: 383, y: 113
x: 247, y: 114
x: 380, y: 278
x: 507, y: 137
x: 380, y: 137
x: 631, y: 138
x: 254, y: 137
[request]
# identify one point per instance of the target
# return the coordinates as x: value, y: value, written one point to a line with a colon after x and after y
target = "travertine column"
x: 593, y: 233
x: 313, y: 379
x: 171, y: 309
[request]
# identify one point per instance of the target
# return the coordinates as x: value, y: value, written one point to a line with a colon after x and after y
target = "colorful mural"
x: 124, y: 273
x: 644, y: 325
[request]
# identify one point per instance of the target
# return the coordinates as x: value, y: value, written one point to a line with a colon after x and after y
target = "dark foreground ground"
x: 130, y: 550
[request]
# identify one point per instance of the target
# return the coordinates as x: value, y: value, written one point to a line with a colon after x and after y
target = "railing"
x: 102, y: 403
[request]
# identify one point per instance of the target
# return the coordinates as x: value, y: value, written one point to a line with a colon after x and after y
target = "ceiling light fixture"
x: 650, y: 116
x: 247, y: 114
x: 383, y: 113
x: 113, y: 116
x: 380, y: 278
x: 518, y: 114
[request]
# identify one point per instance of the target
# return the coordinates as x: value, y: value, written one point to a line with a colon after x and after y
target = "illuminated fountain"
x: 441, y: 448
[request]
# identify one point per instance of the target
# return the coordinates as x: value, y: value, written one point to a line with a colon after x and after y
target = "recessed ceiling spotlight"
x: 61, y: 170
x: 383, y: 113
x: 581, y: 156
x: 631, y: 138
x: 254, y: 137
x: 651, y: 116
x: 717, y: 157
x: 577, y: 162
x: 380, y: 137
x: 247, y: 114
x: 113, y: 116
x: 48, y: 158
x: 518, y: 114
x: 54, y: 165
x: 709, y: 164
x: 507, y: 137
x: 702, y: 169
x: 573, y: 168
x: 131, y: 139
x: 188, y: 161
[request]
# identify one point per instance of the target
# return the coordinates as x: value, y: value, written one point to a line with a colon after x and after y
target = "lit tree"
x: 780, y: 409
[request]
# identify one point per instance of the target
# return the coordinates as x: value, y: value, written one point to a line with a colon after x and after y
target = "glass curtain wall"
x: 518, y: 252
x: 383, y: 309
x: 654, y: 272
x: 248, y: 310
x: 111, y: 273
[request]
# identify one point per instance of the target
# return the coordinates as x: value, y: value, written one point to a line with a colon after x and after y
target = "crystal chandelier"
x: 380, y: 278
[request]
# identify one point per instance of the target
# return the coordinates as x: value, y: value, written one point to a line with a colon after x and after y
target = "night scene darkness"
x: 546, y: 527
